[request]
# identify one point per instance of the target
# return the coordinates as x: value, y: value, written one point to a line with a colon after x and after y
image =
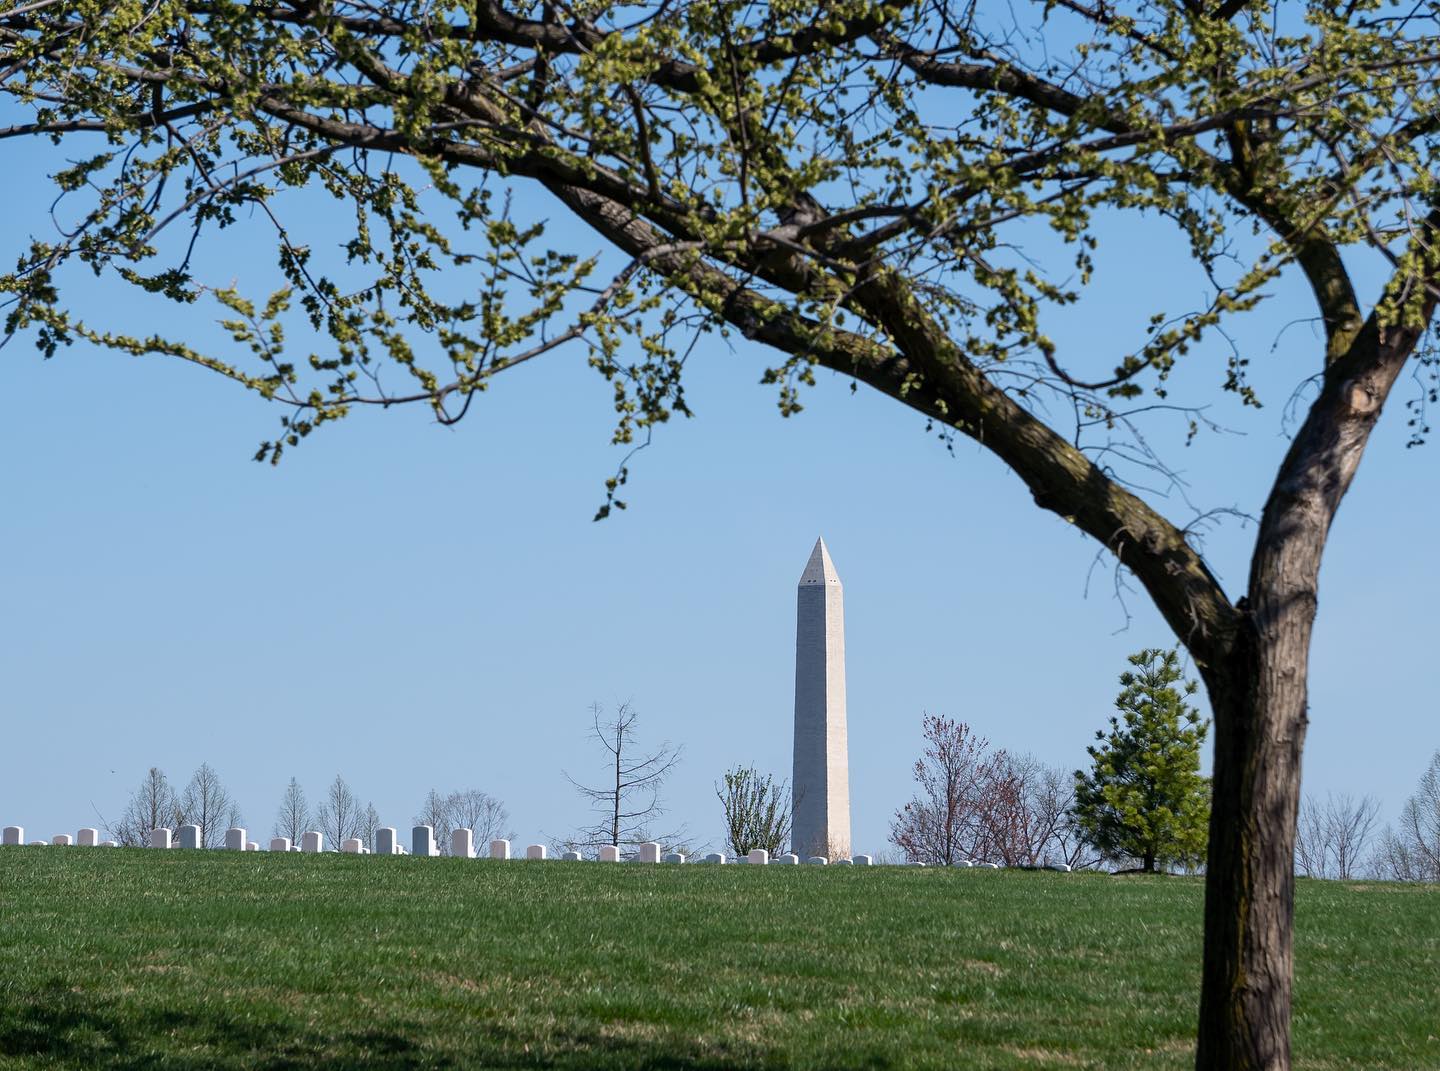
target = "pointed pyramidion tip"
x: 819, y: 569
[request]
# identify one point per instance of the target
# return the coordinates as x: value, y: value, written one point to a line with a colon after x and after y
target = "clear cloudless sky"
x: 413, y: 606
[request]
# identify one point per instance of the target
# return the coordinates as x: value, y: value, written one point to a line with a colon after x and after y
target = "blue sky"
x: 414, y: 606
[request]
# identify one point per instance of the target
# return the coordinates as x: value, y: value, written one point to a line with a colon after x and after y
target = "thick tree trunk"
x: 1259, y: 703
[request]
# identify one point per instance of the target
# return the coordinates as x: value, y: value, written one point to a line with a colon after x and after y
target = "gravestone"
x: 788, y: 859
x: 535, y: 851
x: 109, y: 844
x: 87, y: 837
x: 39, y: 844
x: 989, y: 866
x: 353, y: 846
x: 386, y: 842
x: 1063, y: 868
x: 313, y: 842
x: 422, y: 841
x: 962, y: 862
x: 279, y: 844
x: 915, y: 862
x: 160, y: 838
x: 649, y: 852
x: 609, y: 853
x: 252, y: 846
x: 62, y: 839
x: 462, y: 843
x: 572, y: 857
x: 499, y: 849
x: 863, y: 860
x: 294, y: 847
x: 844, y: 862
x: 818, y: 860
x: 715, y: 857
x: 673, y: 857
x: 189, y: 836
x: 235, y: 839
x: 14, y: 835
x: 759, y: 856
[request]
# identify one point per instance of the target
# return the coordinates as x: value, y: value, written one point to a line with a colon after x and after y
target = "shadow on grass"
x: 58, y: 1027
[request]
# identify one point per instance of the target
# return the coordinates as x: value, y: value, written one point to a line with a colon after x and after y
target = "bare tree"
x: 481, y: 813
x: 340, y: 817
x: 151, y: 806
x: 628, y: 801
x: 435, y: 813
x: 958, y: 778
x: 1331, y: 838
x: 1411, y: 850
x: 1028, y: 821
x: 206, y: 803
x: 292, y: 820
x: 757, y: 811
x: 372, y: 823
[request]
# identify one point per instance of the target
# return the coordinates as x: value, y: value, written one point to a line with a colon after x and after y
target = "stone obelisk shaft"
x: 821, y: 776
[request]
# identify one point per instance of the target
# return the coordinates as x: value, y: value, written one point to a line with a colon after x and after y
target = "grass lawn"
x: 142, y: 959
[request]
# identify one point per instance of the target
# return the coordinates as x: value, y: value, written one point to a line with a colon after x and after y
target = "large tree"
x: 852, y: 185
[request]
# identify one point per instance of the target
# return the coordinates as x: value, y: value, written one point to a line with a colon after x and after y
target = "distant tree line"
x: 340, y: 815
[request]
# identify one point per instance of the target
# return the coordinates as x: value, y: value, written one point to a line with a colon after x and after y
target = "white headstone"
x: 14, y: 835
x: 609, y: 853
x: 353, y: 846
x: 863, y: 860
x: 109, y: 844
x: 422, y: 841
x: 294, y: 847
x: 62, y: 839
x: 760, y: 856
x: 989, y: 866
x: 235, y: 839
x: 313, y: 842
x: 499, y: 849
x: 673, y: 857
x: 87, y: 837
x: 160, y: 838
x: 462, y: 844
x: 789, y: 858
x: 572, y: 857
x: 188, y: 836
x: 1063, y: 868
x: 715, y: 857
x: 279, y: 844
x: 649, y: 852
x: 962, y: 862
x: 915, y: 862
x: 818, y: 860
x: 844, y: 862
x: 385, y: 841
x: 39, y: 844
x: 535, y: 851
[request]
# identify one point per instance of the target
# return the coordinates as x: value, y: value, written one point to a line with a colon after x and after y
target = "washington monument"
x: 821, y: 776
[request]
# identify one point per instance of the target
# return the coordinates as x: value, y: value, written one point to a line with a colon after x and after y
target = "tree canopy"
x: 859, y: 186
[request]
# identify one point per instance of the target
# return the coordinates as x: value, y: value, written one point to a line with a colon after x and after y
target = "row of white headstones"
x: 422, y: 842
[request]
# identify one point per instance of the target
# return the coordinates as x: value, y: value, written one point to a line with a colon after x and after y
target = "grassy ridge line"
x: 136, y: 959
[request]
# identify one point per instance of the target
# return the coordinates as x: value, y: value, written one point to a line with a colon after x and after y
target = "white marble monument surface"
x: 386, y: 841
x: 314, y: 841
x: 279, y: 844
x: 189, y: 836
x: 14, y: 835
x: 759, y: 856
x: 821, y: 773
x: 499, y: 849
x: 535, y: 851
x: 87, y: 837
x: 235, y: 838
x: 609, y: 853
x: 62, y: 839
x: 422, y: 841
x: 160, y: 838
x: 462, y: 843
x: 650, y: 852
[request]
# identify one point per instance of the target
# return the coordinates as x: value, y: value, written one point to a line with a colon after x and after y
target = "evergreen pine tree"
x: 1144, y: 796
